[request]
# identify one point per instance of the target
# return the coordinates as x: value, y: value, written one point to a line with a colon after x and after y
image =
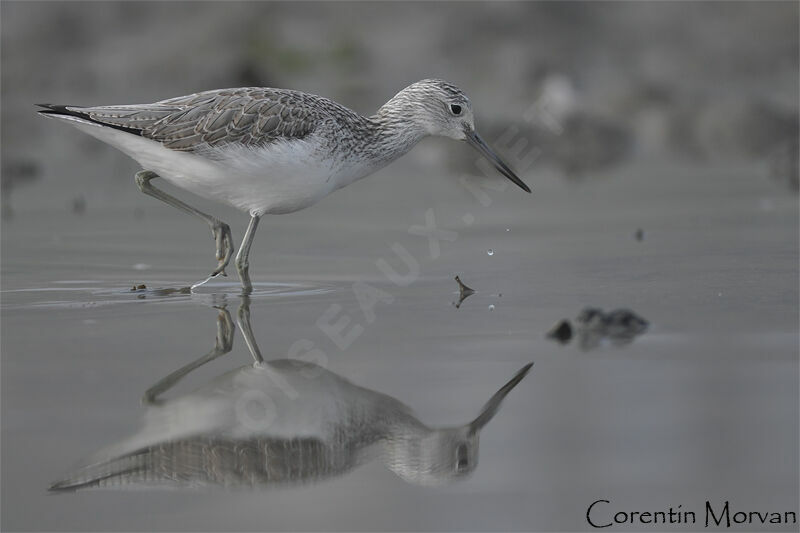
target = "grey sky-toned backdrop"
x: 661, y: 143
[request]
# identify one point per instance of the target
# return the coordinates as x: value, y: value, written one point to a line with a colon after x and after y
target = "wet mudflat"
x: 702, y: 406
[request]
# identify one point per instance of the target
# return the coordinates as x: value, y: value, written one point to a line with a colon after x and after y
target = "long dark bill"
x: 476, y: 142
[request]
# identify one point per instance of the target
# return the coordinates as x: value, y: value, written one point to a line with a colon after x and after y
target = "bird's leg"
x: 223, y: 345
x: 220, y: 230
x: 242, y: 255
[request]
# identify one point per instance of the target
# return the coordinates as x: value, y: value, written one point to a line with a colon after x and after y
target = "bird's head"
x: 440, y: 108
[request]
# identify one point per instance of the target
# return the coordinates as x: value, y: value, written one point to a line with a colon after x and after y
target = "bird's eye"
x: 455, y: 108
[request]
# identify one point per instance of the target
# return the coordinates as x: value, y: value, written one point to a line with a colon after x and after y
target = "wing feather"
x: 249, y: 116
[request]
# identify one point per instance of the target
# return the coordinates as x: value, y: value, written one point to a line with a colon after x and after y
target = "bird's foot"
x: 224, y: 246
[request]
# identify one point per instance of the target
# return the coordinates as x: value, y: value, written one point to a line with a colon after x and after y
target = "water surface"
x: 703, y: 406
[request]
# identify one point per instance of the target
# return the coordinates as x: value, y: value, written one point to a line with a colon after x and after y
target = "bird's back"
x: 262, y: 150
x: 251, y: 116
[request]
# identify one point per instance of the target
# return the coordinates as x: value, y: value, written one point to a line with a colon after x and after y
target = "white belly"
x: 281, y: 177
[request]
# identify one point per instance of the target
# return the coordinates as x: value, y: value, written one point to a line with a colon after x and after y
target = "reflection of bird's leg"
x: 220, y: 230
x: 223, y: 345
x: 247, y: 330
x: 250, y: 340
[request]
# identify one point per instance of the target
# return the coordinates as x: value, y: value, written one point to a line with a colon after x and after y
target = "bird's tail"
x: 78, y: 114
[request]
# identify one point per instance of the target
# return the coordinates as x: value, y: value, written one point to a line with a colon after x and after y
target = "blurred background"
x: 698, y: 82
x: 661, y: 143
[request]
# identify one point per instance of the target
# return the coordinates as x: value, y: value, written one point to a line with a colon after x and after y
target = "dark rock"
x: 561, y: 332
x: 624, y: 322
x: 591, y: 318
x: 619, y: 326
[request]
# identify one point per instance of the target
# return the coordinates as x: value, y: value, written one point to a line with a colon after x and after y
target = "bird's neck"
x: 395, y: 131
x: 377, y: 141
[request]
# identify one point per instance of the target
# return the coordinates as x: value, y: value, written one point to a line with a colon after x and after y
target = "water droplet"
x: 508, y: 229
x: 490, y: 251
x: 491, y: 307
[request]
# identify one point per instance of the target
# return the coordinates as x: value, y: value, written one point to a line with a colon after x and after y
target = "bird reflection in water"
x: 278, y: 423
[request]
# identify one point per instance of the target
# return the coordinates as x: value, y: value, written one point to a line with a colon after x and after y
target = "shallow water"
x: 703, y: 406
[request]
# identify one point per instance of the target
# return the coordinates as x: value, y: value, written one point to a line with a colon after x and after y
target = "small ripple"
x: 78, y: 294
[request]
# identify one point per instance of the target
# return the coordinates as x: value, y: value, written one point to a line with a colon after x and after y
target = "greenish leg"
x: 220, y: 230
x: 242, y: 263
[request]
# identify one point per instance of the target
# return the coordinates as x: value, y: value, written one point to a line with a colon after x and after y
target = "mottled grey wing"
x: 250, y: 116
x: 243, y: 116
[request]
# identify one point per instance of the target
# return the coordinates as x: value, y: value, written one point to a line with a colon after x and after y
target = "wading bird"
x: 271, y: 151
